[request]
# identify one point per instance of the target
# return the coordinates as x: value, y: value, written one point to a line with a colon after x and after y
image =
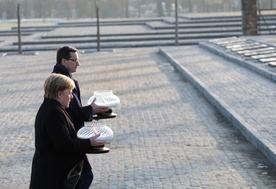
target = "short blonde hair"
x: 55, y: 83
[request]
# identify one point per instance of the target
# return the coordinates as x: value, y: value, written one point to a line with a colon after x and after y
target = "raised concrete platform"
x: 128, y: 33
x: 240, y: 89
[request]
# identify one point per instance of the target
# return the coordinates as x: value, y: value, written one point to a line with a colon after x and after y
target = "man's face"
x: 72, y: 63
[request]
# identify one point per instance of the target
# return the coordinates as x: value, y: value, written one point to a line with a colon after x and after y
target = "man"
x: 67, y: 61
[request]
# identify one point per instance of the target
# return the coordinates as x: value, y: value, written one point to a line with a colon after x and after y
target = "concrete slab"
x: 249, y: 103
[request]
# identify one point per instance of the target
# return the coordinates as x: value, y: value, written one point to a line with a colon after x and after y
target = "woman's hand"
x: 95, y: 142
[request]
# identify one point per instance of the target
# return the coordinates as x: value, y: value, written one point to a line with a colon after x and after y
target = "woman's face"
x: 64, y: 97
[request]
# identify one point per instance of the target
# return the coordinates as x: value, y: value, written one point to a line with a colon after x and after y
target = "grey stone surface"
x: 166, y: 134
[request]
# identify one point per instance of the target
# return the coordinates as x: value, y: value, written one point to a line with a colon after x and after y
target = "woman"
x: 57, y: 148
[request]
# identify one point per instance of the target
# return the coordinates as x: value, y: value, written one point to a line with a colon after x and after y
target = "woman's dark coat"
x: 57, y: 148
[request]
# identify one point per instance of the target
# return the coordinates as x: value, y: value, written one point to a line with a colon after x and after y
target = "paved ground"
x: 167, y: 135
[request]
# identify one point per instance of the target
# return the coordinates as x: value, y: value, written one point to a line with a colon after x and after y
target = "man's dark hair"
x: 64, y: 52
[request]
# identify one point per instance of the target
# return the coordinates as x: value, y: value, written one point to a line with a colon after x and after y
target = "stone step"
x: 244, y: 97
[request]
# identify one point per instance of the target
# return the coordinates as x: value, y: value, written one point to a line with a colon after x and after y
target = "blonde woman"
x: 57, y: 148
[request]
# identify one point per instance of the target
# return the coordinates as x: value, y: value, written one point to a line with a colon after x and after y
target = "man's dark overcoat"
x: 78, y: 113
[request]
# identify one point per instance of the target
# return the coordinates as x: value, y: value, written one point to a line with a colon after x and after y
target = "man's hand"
x: 98, y: 109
